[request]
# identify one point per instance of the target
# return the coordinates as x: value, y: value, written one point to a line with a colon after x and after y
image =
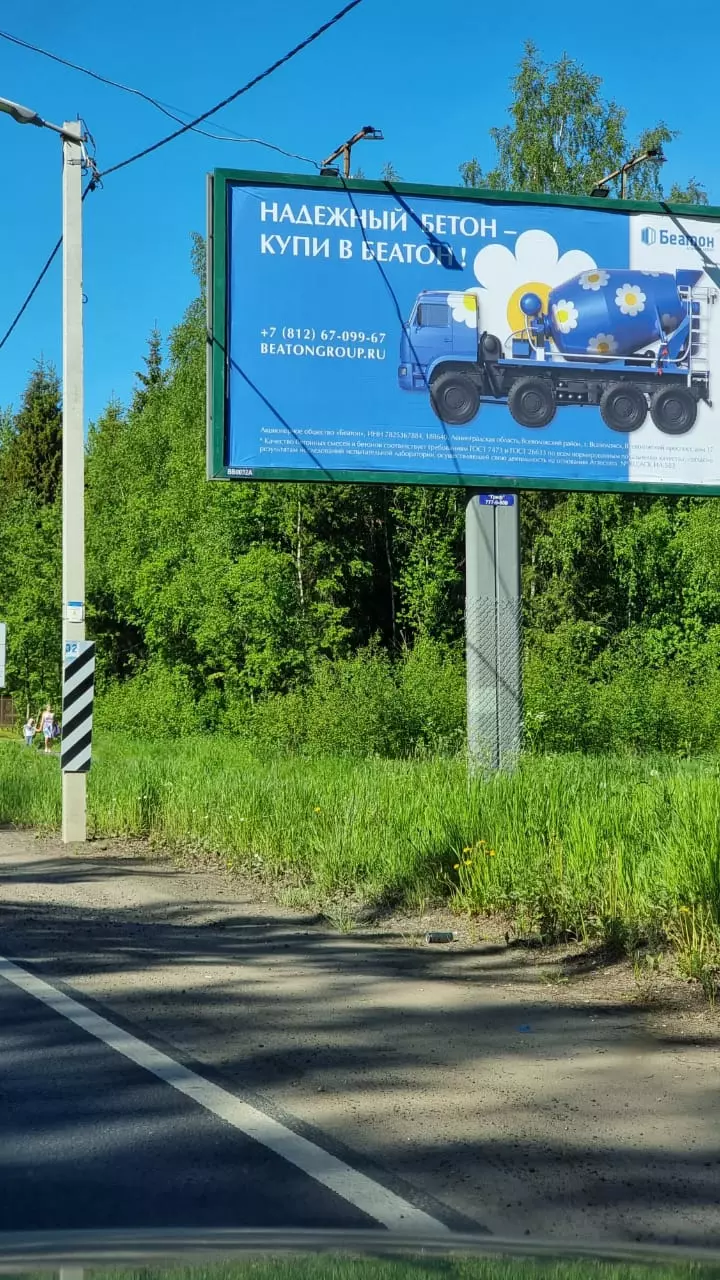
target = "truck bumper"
x: 411, y: 378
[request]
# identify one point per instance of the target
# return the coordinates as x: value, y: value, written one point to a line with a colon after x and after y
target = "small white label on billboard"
x: 75, y: 611
x: 3, y: 639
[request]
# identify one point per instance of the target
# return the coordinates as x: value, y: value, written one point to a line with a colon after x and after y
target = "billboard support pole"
x: 493, y: 631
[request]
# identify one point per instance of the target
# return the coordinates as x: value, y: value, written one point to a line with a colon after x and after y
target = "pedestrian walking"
x: 29, y: 731
x: 46, y: 728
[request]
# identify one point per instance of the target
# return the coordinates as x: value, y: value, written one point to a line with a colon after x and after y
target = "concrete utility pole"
x: 74, y: 785
x: 74, y: 825
x: 493, y: 630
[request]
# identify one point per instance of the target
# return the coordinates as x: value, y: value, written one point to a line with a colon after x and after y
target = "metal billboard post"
x: 493, y: 630
x: 74, y: 820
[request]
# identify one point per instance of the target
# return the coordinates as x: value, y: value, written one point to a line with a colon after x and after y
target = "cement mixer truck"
x: 626, y: 341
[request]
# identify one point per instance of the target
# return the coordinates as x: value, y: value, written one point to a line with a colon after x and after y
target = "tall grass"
x: 324, y: 1265
x: 594, y: 847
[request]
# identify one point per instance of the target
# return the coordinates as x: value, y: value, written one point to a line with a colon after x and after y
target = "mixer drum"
x: 613, y: 312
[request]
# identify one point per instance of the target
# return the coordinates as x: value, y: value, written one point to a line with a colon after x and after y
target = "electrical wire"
x: 40, y: 277
x: 96, y: 178
x: 275, y: 66
x: 166, y: 108
x: 401, y: 319
x: 31, y: 294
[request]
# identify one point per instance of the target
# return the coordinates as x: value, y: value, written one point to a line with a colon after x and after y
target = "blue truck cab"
x: 430, y: 338
x: 626, y: 341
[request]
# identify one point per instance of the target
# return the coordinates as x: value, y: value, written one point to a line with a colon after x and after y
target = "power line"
x: 167, y: 109
x: 65, y: 62
x: 186, y: 128
x: 39, y: 279
x: 292, y: 53
x: 31, y: 294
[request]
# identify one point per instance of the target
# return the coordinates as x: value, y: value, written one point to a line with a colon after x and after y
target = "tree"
x: 693, y: 193
x: 30, y: 595
x: 154, y: 375
x: 198, y: 260
x: 32, y: 441
x: 564, y: 137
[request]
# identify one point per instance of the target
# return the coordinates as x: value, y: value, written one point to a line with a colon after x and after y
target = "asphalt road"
x: 452, y: 1087
x: 90, y: 1140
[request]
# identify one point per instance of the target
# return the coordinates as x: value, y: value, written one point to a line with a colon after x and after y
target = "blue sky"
x: 432, y: 78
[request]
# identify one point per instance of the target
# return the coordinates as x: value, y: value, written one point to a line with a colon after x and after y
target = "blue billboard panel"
x: 463, y: 338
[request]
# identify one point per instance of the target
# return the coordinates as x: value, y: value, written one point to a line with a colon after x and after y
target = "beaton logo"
x: 678, y: 239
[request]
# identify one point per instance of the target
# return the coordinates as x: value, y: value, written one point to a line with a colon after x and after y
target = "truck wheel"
x: 531, y: 402
x: 674, y: 410
x: 623, y: 407
x: 454, y: 398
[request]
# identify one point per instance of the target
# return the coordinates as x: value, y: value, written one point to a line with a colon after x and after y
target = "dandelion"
x: 467, y: 861
x: 467, y: 849
x: 685, y: 911
x: 456, y: 866
x: 317, y: 809
x: 491, y: 853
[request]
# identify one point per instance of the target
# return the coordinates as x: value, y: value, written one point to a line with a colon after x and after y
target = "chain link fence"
x: 494, y: 681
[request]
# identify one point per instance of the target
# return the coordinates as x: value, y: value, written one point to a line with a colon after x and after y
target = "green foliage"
x: 564, y: 137
x: 31, y: 441
x: 363, y: 706
x: 693, y: 193
x: 567, y: 845
x: 153, y: 377
x: 626, y: 706
x: 30, y: 469
x: 158, y: 702
x: 30, y: 600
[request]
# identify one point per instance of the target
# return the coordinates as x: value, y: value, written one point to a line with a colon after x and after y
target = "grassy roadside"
x: 612, y: 848
x: 458, y: 1267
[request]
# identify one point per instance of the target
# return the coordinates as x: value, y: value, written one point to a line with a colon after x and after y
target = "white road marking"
x: 354, y: 1187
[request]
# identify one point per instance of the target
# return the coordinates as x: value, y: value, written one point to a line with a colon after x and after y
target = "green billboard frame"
x: 218, y: 184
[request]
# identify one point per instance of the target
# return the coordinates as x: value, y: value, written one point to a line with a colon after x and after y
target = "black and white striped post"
x: 77, y: 706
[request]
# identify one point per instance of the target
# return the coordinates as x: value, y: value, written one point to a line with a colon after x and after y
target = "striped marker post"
x: 77, y: 706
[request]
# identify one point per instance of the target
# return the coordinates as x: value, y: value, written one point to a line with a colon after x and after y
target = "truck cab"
x: 432, y: 337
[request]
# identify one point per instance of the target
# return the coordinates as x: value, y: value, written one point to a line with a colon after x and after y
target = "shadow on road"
x: 565, y: 1117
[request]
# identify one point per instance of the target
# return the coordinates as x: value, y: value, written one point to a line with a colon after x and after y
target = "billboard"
x: 387, y: 333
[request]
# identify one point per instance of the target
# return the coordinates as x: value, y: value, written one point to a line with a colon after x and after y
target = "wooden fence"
x: 7, y: 713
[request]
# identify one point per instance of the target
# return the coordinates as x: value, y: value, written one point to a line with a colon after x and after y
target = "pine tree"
x: 32, y: 443
x: 154, y: 375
